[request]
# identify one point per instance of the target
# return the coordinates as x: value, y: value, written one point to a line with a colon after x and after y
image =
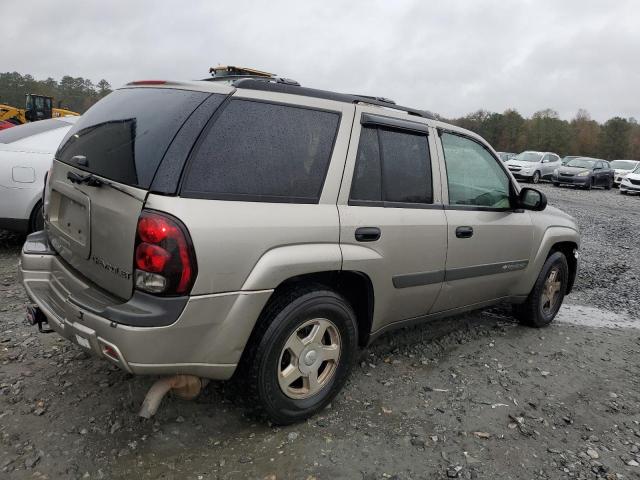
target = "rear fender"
x: 282, y: 263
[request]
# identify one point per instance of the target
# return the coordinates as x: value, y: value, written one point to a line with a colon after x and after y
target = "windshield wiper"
x: 93, y: 181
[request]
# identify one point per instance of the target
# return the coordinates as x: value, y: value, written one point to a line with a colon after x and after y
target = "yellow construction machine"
x: 37, y: 107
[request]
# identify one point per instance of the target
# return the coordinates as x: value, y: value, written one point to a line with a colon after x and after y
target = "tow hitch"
x: 36, y: 317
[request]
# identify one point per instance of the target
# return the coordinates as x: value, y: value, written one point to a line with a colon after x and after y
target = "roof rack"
x: 275, y: 84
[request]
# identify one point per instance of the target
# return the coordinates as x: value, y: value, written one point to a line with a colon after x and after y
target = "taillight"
x: 165, y: 262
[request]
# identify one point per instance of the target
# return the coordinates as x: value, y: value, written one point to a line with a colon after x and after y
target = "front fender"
x: 553, y: 235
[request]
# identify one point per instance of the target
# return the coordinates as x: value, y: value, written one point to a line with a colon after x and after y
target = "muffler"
x: 186, y: 387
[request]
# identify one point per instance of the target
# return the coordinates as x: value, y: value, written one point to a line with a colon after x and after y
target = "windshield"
x: 624, y: 164
x: 637, y: 170
x: 532, y: 157
x: 581, y: 162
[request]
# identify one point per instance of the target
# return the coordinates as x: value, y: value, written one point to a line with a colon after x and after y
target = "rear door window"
x: 125, y: 135
x: 258, y: 151
x: 392, y: 168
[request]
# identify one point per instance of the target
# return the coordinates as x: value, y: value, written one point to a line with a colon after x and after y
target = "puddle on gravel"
x: 594, y: 317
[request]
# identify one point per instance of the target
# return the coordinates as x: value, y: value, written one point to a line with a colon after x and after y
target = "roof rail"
x: 292, y: 87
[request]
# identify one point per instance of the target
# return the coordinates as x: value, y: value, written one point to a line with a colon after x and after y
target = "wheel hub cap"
x: 551, y: 291
x: 309, y: 358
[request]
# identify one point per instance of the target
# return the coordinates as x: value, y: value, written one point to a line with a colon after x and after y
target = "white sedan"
x: 621, y: 168
x: 26, y: 153
x: 631, y: 182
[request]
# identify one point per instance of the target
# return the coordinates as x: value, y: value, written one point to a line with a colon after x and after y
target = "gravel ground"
x: 472, y: 397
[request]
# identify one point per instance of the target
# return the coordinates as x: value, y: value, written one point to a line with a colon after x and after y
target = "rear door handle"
x: 367, y: 234
x: 464, y: 232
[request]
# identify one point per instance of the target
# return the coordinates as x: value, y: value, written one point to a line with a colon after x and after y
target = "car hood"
x: 618, y: 171
x: 572, y: 170
x: 633, y: 176
x: 518, y: 163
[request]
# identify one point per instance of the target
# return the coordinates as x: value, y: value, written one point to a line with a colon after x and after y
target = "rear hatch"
x: 101, y: 176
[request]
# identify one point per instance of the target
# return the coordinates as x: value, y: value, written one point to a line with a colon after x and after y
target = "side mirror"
x: 532, y: 199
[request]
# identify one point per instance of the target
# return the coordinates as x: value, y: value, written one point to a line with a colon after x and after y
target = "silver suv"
x: 258, y: 228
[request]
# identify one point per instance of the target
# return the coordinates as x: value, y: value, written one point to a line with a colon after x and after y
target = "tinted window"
x: 14, y: 134
x: 259, y: 151
x: 125, y: 135
x: 474, y: 175
x: 392, y: 166
x: 367, y: 178
x: 406, y: 167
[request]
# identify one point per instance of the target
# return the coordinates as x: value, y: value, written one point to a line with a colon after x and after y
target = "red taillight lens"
x: 164, y: 259
x: 151, y: 258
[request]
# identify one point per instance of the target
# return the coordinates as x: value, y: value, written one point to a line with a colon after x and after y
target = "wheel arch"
x: 355, y: 287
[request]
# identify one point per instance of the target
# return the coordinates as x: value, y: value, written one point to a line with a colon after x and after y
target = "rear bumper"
x: 206, y: 340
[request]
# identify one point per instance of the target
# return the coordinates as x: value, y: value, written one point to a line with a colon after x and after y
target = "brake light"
x: 164, y: 258
x: 148, y: 82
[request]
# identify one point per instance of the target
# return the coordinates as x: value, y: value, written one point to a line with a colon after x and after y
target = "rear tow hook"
x: 36, y: 317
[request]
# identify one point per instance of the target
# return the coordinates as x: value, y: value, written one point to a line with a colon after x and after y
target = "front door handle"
x: 367, y: 234
x: 464, y: 232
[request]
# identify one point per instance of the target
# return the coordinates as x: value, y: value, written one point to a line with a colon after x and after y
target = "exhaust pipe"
x: 186, y: 387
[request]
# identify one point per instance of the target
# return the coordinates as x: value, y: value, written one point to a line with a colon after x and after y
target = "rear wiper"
x: 88, y: 179
x: 92, y: 181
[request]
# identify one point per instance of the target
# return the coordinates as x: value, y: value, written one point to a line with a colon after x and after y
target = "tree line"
x: 507, y: 132
x: 73, y: 93
x: 617, y: 138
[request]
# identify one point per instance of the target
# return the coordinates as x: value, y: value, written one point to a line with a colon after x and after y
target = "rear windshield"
x: 125, y: 135
x: 15, y: 134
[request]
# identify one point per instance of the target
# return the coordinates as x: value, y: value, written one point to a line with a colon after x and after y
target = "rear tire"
x: 301, y: 354
x: 36, y: 220
x: 547, y: 294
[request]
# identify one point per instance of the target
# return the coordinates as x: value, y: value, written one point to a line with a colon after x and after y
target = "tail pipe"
x: 186, y: 387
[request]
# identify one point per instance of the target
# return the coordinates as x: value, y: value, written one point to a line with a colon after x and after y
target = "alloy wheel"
x: 309, y: 358
x: 551, y: 291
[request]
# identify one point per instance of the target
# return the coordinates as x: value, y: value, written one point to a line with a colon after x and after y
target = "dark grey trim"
x: 477, y: 208
x: 145, y: 310
x: 417, y: 279
x: 482, y: 270
x: 38, y: 244
x: 378, y: 203
x: 438, y: 276
x: 368, y: 119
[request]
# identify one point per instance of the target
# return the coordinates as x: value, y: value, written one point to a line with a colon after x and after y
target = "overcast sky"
x: 450, y: 57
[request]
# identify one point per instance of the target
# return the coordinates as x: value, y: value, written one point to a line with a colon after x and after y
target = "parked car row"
x: 585, y: 172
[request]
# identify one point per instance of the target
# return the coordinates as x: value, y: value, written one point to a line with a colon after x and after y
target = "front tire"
x: 301, y: 354
x: 536, y: 177
x: 609, y: 184
x: 548, y: 292
x: 589, y: 184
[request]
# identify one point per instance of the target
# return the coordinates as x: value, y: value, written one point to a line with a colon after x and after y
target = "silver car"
x: 258, y: 229
x: 622, y: 168
x: 533, y: 166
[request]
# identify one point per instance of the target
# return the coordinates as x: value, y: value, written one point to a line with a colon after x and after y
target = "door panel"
x: 406, y: 263
x: 489, y: 243
x: 484, y: 266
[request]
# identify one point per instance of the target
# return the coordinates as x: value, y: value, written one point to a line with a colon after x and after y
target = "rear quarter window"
x: 258, y: 151
x: 125, y: 135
